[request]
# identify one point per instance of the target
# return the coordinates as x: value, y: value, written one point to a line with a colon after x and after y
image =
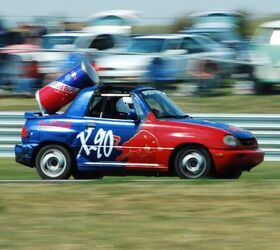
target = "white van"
x: 265, y: 56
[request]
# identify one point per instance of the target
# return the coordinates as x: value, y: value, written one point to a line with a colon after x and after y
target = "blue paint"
x: 235, y: 131
x: 67, y: 129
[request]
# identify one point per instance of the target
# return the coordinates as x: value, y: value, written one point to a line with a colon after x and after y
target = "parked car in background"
x: 70, y: 48
x: 55, y: 40
x: 265, y: 56
x: 60, y: 44
x: 221, y: 26
x: 112, y: 22
x: 19, y: 68
x: 159, y: 57
x: 57, y: 53
x: 102, y: 41
x: 10, y: 37
x: 11, y: 43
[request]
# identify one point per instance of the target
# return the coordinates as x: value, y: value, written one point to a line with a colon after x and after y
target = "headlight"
x: 231, y: 141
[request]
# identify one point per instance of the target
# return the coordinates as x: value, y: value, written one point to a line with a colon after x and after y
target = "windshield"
x: 161, y: 105
x: 144, y: 45
x: 49, y: 42
x: 267, y: 36
x: 220, y: 35
x: 209, y: 43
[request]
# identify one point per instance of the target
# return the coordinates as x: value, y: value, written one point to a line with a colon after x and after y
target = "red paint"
x: 117, y: 140
x: 143, y: 147
x: 157, y: 139
x: 24, y: 132
x: 236, y: 159
x: 43, y: 123
x: 140, y: 148
x: 52, y: 99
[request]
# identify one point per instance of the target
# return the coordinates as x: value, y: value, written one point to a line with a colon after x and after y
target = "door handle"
x: 91, y: 125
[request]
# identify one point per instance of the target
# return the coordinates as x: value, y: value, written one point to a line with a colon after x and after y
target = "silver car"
x: 160, y: 57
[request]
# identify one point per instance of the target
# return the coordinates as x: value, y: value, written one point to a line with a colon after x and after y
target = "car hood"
x: 235, y: 131
x: 126, y: 61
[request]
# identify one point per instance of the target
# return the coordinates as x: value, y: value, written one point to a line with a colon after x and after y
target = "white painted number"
x: 103, y: 142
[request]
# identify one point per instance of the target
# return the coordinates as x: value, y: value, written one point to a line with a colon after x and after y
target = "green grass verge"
x: 260, y: 104
x: 10, y: 170
x: 18, y: 104
x: 215, y: 104
x: 116, y: 213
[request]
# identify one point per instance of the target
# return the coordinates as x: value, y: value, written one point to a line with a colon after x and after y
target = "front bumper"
x: 24, y: 154
x: 226, y: 161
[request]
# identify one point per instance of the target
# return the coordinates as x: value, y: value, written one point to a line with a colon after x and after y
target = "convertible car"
x: 111, y: 130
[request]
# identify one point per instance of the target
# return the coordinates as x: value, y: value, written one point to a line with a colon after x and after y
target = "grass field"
x: 10, y: 170
x: 131, y: 213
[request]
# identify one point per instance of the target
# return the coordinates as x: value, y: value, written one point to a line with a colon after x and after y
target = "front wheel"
x: 53, y: 162
x: 193, y: 163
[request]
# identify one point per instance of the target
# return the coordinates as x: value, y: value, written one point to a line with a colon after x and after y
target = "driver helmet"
x: 125, y: 105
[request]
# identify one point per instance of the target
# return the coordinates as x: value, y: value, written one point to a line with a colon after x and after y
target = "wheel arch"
x: 45, y: 143
x: 171, y: 165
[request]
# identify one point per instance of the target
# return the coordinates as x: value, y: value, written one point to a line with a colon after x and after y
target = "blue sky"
x: 152, y: 10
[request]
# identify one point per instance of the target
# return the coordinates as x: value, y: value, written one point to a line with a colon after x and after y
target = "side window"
x: 158, y: 106
x: 138, y: 110
x: 191, y: 45
x: 171, y: 44
x: 155, y: 106
x: 95, y: 107
x: 111, y: 107
x: 102, y: 42
x: 118, y: 108
x: 82, y: 42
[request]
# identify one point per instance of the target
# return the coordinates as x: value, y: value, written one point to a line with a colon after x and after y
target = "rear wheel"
x: 54, y: 162
x: 193, y: 163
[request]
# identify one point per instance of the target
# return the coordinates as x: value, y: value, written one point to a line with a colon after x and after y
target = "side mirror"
x: 133, y: 116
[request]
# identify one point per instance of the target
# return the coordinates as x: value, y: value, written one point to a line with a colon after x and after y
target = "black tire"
x: 54, y: 162
x: 193, y: 163
x: 87, y: 176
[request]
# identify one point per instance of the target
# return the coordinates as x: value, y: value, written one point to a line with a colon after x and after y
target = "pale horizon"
x: 155, y: 11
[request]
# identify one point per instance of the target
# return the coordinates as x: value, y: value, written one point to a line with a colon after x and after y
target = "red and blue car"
x: 110, y: 130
